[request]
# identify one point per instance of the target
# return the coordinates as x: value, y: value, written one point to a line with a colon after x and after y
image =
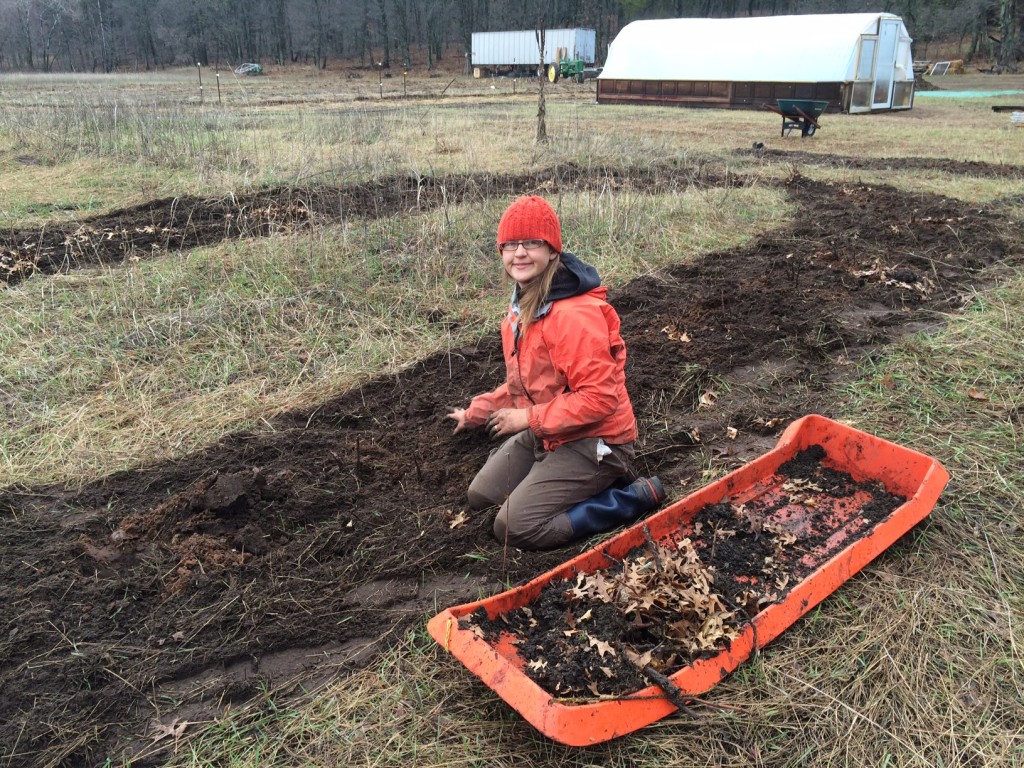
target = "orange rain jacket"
x: 568, y: 368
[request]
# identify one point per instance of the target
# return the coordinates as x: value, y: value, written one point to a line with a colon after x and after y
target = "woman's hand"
x: 459, y: 415
x: 508, y: 421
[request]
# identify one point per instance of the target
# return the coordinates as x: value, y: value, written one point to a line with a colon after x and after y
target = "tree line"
x: 117, y: 35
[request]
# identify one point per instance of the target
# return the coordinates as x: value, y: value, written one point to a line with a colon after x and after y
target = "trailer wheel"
x: 553, y: 73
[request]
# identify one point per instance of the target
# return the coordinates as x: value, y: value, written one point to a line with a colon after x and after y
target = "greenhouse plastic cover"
x: 807, y: 48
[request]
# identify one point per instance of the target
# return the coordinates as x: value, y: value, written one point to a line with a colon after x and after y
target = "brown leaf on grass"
x: 977, y: 394
x: 707, y: 400
x: 174, y: 729
x: 459, y: 520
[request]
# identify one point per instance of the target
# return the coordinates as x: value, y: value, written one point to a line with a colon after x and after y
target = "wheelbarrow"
x: 848, y: 540
x: 799, y: 114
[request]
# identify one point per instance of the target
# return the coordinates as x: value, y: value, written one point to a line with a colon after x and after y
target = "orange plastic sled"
x: 901, y: 471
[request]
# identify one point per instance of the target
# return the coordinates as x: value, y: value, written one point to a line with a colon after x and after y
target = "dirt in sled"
x: 685, y: 597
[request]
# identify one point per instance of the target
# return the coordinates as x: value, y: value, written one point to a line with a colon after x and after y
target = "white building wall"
x: 504, y: 49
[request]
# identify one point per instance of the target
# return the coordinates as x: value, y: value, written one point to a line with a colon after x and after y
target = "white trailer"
x: 519, y: 51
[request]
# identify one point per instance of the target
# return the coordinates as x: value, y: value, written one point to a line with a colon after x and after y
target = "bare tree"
x: 23, y: 9
x: 51, y: 14
x: 1009, y: 30
x: 434, y: 33
x: 467, y: 26
x: 97, y: 18
x: 321, y: 32
x: 283, y: 52
x: 542, y: 126
x: 385, y: 35
x: 402, y: 12
x: 362, y: 40
x: 141, y: 33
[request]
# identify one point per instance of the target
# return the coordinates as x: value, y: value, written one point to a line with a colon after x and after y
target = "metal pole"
x: 199, y: 69
x: 219, y: 102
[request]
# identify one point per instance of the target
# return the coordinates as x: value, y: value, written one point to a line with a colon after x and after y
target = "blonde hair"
x: 533, y: 295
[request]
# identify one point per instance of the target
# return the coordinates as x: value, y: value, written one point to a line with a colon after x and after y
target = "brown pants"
x: 535, y: 487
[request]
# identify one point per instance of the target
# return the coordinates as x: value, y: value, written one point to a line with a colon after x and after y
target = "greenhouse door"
x: 885, y: 63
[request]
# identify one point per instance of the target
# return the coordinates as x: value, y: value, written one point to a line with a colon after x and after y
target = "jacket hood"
x: 576, y: 277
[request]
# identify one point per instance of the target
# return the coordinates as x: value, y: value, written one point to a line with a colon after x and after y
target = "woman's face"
x: 525, y: 260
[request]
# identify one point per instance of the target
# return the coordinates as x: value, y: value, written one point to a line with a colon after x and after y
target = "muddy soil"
x: 166, y: 594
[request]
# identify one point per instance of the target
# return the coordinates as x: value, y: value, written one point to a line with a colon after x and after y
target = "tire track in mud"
x: 181, y: 588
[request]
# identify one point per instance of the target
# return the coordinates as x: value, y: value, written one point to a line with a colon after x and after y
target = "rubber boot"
x: 615, y: 506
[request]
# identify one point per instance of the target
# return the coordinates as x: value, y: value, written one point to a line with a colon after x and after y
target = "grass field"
x: 918, y: 660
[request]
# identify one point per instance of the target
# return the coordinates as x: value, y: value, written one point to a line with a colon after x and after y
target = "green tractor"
x: 571, y: 68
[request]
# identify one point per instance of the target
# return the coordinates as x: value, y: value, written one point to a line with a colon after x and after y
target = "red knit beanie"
x: 531, y: 218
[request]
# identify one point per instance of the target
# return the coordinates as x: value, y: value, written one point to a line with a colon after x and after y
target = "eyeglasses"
x: 513, y: 245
